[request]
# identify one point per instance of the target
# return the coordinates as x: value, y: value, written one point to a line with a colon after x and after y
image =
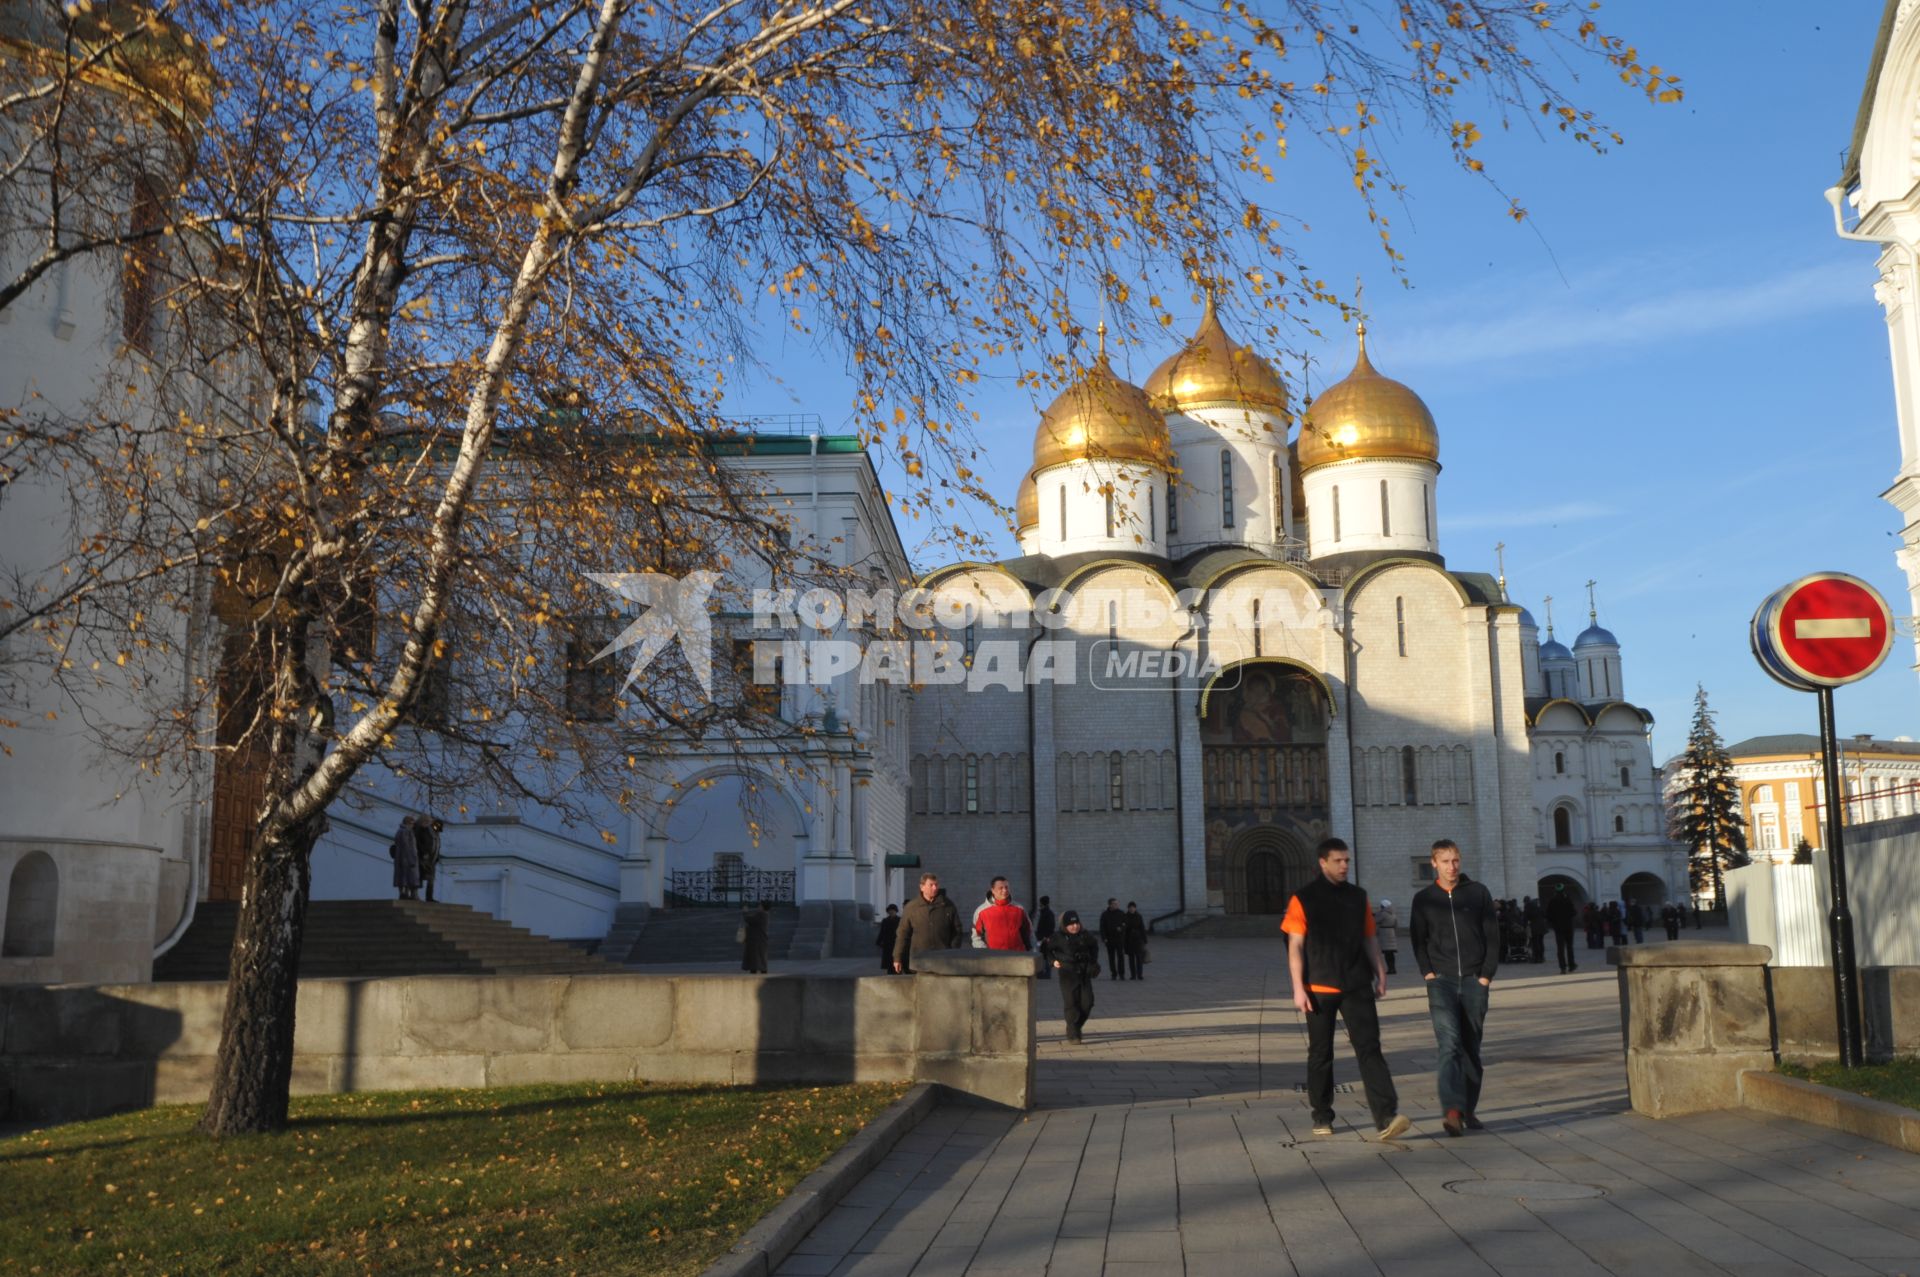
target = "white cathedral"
x: 1340, y: 679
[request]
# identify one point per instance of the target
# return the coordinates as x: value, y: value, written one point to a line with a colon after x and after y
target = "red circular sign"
x: 1829, y: 628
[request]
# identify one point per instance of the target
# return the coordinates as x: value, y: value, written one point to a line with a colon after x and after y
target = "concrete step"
x: 705, y: 935
x: 371, y: 938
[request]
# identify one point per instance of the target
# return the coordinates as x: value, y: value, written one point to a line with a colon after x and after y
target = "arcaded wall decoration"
x: 971, y: 784
x: 1116, y: 780
x: 1415, y: 776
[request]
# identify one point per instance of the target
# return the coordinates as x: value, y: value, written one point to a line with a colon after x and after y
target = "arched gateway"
x: 1263, y: 736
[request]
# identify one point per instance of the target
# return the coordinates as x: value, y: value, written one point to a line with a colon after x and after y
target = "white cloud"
x: 1538, y: 516
x: 1591, y: 314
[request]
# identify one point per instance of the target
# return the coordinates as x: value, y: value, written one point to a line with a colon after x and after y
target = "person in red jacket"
x: 1003, y: 924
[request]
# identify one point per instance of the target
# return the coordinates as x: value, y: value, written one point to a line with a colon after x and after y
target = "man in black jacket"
x: 1076, y: 956
x: 1561, y: 913
x: 1337, y: 970
x: 1456, y: 941
x: 1113, y: 934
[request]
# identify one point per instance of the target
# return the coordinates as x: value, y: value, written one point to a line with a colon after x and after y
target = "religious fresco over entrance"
x: 1264, y: 752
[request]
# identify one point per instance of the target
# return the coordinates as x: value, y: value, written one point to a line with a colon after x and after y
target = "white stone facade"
x: 1877, y: 200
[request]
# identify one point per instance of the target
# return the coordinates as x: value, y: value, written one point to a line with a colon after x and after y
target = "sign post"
x: 1814, y: 635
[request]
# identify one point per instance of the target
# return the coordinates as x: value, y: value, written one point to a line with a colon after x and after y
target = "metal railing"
x: 737, y: 886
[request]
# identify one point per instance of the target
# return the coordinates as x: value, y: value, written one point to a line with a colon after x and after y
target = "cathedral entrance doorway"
x: 1265, y: 868
x: 1263, y: 738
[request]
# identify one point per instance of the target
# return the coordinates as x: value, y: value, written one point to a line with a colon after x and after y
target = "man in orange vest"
x: 1337, y: 969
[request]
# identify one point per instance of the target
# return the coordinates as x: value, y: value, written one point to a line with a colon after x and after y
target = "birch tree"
x: 454, y: 290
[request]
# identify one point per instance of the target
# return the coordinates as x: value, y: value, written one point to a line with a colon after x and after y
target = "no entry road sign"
x: 1823, y: 630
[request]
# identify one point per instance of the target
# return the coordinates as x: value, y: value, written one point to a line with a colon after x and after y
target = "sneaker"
x: 1323, y: 1128
x: 1475, y: 1124
x: 1399, y: 1125
x: 1456, y: 1124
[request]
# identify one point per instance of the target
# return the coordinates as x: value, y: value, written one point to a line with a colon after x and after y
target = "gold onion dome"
x: 1213, y: 368
x: 1026, y: 506
x: 1101, y: 417
x: 1367, y: 416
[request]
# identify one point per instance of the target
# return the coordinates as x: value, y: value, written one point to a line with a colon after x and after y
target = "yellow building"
x: 1783, y: 796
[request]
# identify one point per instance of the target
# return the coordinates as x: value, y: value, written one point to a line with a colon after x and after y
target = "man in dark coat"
x: 1076, y: 956
x: 931, y: 922
x: 1536, y: 930
x: 1113, y: 934
x: 1561, y: 913
x: 753, y: 948
x: 1136, y: 939
x: 1456, y: 941
x: 405, y: 853
x: 889, y: 931
x: 1043, y: 921
x: 1337, y: 970
x: 426, y: 836
x: 1670, y: 919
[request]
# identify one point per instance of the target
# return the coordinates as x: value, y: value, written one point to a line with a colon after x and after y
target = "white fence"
x: 1785, y: 907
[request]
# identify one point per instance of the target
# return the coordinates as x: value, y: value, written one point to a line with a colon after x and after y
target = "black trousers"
x: 1563, y: 948
x: 1362, y: 1018
x: 1133, y: 963
x: 1116, y: 952
x: 1076, y: 1002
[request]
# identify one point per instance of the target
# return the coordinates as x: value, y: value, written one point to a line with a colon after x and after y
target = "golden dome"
x: 1367, y: 415
x: 1213, y: 368
x: 1026, y: 506
x: 1102, y: 417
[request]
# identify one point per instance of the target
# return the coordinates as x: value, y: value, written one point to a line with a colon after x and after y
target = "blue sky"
x: 1672, y: 378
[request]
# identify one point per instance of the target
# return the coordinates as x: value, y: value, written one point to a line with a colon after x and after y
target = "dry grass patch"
x: 600, y: 1178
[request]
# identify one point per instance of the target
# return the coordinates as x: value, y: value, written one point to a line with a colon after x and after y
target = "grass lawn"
x: 600, y: 1178
x: 1896, y: 1083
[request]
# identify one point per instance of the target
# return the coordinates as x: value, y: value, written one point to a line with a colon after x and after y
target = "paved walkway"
x: 1176, y: 1141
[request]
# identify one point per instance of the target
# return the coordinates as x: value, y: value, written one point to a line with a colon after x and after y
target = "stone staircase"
x: 1230, y: 926
x: 368, y: 938
x: 705, y: 935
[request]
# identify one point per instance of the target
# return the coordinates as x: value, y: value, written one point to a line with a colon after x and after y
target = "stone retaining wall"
x: 965, y: 1021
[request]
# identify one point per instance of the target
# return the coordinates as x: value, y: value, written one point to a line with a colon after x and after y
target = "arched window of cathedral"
x: 33, y: 906
x: 1173, y: 500
x: 1562, y: 827
x: 1063, y: 512
x: 1386, y: 514
x: 1153, y: 517
x: 1408, y: 777
x: 1559, y: 763
x: 140, y: 268
x: 1400, y: 622
x: 1226, y: 488
x: 1336, y: 512
x: 1619, y: 823
x: 973, y: 785
x: 1109, y: 513
x: 1426, y: 512
x: 1626, y: 778
x: 1256, y: 627
x: 1279, y: 509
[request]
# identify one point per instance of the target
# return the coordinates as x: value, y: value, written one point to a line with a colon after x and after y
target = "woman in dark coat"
x: 1136, y: 940
x: 406, y: 860
x: 1075, y: 953
x: 889, y: 932
x: 753, y: 948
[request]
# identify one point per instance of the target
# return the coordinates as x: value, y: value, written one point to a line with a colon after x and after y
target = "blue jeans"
x: 1459, y: 1008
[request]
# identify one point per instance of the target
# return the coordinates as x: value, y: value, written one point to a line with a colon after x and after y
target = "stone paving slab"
x: 1176, y: 1141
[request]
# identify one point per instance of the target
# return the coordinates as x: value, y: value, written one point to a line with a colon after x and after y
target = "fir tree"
x: 1706, y: 806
